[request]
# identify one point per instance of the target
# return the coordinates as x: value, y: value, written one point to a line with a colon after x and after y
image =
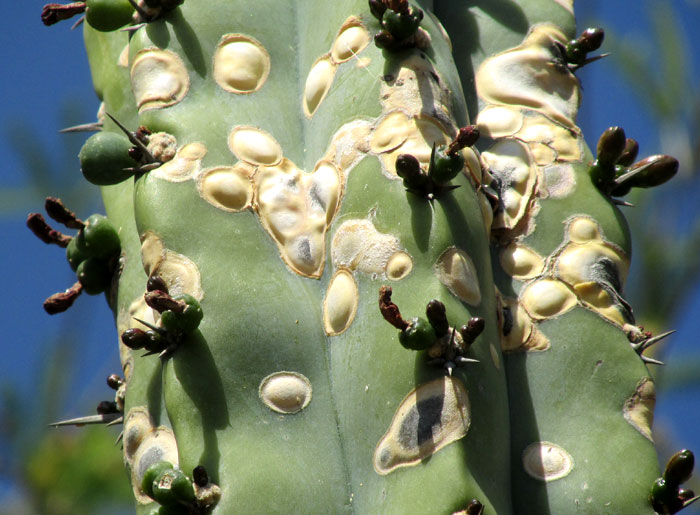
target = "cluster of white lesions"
x: 585, y: 270
x: 530, y: 100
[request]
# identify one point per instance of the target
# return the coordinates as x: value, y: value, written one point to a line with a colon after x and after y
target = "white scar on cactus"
x: 159, y: 79
x: 180, y: 273
x: 285, y: 392
x: 351, y: 39
x: 639, y: 408
x: 432, y: 416
x: 241, y: 64
x: 547, y: 461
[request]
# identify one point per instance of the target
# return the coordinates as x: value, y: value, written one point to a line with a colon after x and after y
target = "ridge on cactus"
x: 267, y: 167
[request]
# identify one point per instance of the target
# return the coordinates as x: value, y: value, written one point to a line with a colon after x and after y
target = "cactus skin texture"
x: 264, y: 196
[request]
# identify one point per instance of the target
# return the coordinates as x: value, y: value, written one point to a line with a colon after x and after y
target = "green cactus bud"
x: 156, y: 342
x: 74, y: 255
x: 98, y: 239
x: 176, y: 509
x: 94, y: 275
x: 443, y: 166
x: 105, y: 159
x: 408, y: 168
x: 171, y: 487
x: 151, y: 475
x: 401, y: 25
x: 135, y: 338
x: 679, y: 468
x: 419, y: 335
x: 663, y: 496
x: 187, y: 321
x: 108, y: 15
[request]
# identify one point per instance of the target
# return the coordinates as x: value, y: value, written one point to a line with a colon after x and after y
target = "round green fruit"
x: 104, y: 158
x: 173, y: 487
x: 188, y: 320
x: 445, y: 167
x: 419, y: 335
x: 108, y: 15
x: 74, y: 255
x: 401, y: 26
x: 152, y: 473
x: 98, y: 238
x: 94, y: 275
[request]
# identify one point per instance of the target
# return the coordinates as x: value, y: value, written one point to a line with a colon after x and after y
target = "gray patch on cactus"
x: 639, y: 408
x: 430, y: 417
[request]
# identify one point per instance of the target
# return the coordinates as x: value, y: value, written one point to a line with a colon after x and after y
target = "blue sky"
x: 44, y: 67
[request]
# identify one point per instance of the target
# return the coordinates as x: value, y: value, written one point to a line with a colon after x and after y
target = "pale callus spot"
x: 547, y: 461
x: 352, y: 39
x: 357, y: 245
x: 520, y: 261
x: 511, y: 162
x: 340, y: 304
x: 296, y: 209
x: 137, y: 424
x: 423, y: 132
x: 495, y: 359
x: 564, y: 143
x: 496, y: 121
x: 318, y: 82
x: 390, y: 132
x: 123, y: 59
x: 241, y: 64
x: 596, y: 298
x: 560, y: 180
x: 285, y: 392
x: 455, y: 269
x: 547, y: 298
x: 583, y: 229
x: 227, y: 187
x: 254, y: 146
x: 576, y: 262
x: 430, y: 417
x: 178, y: 271
x: 157, y: 445
x: 529, y: 76
x: 639, y: 409
x: 185, y: 165
x: 523, y: 334
x: 158, y: 79
x: 399, y: 266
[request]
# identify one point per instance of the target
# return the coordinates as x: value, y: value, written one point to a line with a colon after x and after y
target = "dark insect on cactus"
x: 267, y: 167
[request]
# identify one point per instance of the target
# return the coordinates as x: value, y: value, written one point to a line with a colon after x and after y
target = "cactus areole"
x: 270, y: 169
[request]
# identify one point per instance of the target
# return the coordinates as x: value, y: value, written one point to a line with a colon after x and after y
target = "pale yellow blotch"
x: 158, y: 445
x: 497, y: 121
x: 123, y: 59
x: 547, y: 461
x: 399, y: 266
x: 179, y: 272
x: 520, y: 261
x: 423, y: 132
x: 512, y: 163
x: 639, y: 408
x: 227, y: 187
x: 547, y: 298
x: 318, y: 82
x: 575, y: 263
x: 254, y: 146
x: 241, y: 64
x: 441, y: 405
x: 566, y: 4
x: 296, y: 209
x: 357, y: 245
x: 126, y: 320
x: 390, y: 132
x: 523, y: 335
x: 137, y: 424
x: 158, y: 79
x: 564, y: 142
x: 473, y: 165
x: 600, y: 300
x: 349, y: 144
x: 529, y: 76
x: 340, y: 304
x: 495, y: 358
x: 162, y: 146
x: 363, y: 62
x: 542, y: 154
x: 185, y: 165
x: 583, y: 229
x: 559, y: 180
x: 285, y: 392
x: 455, y: 269
x: 352, y: 39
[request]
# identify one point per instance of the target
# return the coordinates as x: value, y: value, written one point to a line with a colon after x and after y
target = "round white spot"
x: 241, y: 64
x: 285, y: 392
x: 547, y: 461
